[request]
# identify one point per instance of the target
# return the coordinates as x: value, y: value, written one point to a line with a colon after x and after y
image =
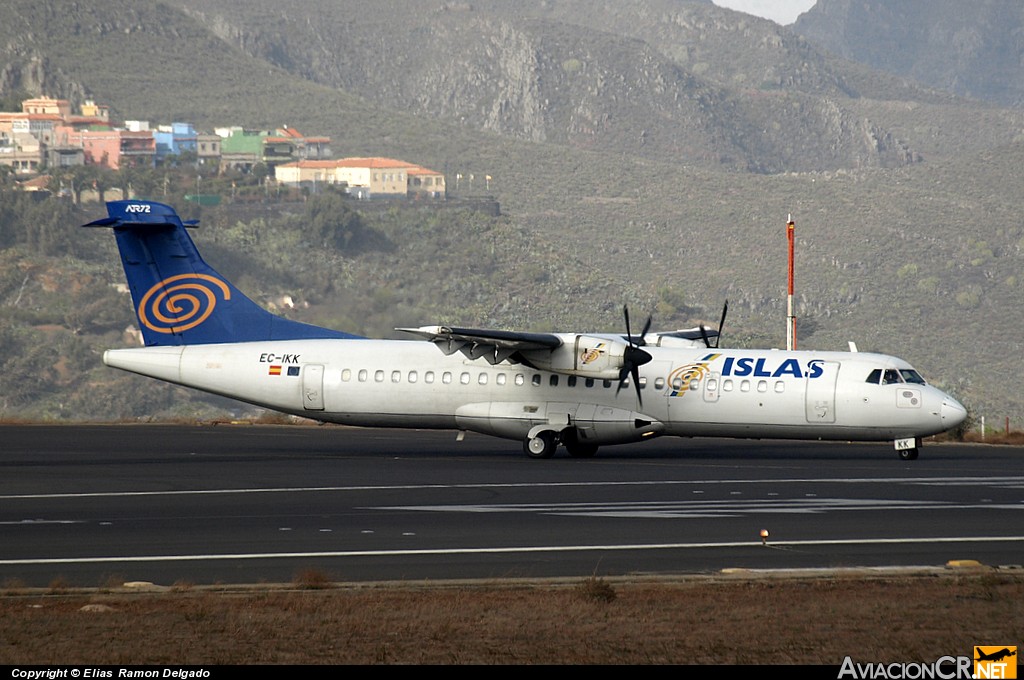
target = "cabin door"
x: 313, y: 387
x: 821, y: 394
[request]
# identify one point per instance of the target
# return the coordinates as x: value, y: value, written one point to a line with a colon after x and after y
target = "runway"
x: 92, y: 505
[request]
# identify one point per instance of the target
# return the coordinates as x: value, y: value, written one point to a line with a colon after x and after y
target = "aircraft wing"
x: 493, y: 345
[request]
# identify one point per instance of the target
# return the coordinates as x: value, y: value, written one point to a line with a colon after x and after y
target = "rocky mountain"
x: 973, y: 49
x: 674, y: 80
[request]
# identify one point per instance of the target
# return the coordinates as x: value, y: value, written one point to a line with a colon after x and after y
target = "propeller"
x: 633, y: 357
x: 721, y: 323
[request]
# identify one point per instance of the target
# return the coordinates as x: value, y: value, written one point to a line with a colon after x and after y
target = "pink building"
x: 113, y: 149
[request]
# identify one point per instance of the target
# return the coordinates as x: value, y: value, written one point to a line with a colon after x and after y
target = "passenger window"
x: 712, y: 384
x: 446, y: 377
x: 396, y: 376
x: 482, y: 379
x: 464, y: 378
x: 500, y: 379
x: 643, y: 383
x: 762, y: 385
x: 695, y: 384
x: 346, y: 375
x: 745, y: 386
x: 874, y: 376
x: 553, y: 381
x: 677, y: 383
x: 571, y: 381
x: 413, y: 377
x: 659, y: 383
x: 428, y: 377
x: 727, y: 386
x: 780, y: 386
x: 362, y: 375
x: 536, y: 379
x: 378, y: 376
x: 520, y: 379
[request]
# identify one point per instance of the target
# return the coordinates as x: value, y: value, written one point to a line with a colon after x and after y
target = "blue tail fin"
x: 179, y: 299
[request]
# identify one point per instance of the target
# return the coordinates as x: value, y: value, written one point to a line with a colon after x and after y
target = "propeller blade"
x: 704, y: 334
x: 643, y: 333
x: 633, y: 357
x: 721, y: 323
x: 636, y: 383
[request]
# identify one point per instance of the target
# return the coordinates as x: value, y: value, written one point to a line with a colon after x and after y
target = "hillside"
x: 642, y: 152
x: 970, y: 49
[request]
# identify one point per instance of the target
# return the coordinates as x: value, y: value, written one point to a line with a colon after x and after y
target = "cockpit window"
x: 912, y: 376
x: 892, y: 376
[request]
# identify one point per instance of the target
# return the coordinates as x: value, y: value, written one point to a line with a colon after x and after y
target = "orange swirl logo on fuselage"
x: 181, y: 302
x: 680, y: 379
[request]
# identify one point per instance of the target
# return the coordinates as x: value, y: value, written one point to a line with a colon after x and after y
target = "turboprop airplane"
x: 577, y: 390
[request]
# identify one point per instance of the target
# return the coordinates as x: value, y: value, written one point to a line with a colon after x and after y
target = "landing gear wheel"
x: 907, y: 454
x: 541, y: 446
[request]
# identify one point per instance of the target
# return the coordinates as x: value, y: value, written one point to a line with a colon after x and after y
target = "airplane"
x: 575, y: 390
x: 995, y: 656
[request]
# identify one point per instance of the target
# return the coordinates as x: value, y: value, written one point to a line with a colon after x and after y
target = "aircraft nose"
x: 951, y: 413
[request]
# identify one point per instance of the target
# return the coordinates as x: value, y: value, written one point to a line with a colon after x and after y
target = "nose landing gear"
x: 907, y: 448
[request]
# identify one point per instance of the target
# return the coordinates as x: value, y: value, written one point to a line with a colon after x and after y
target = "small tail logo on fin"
x: 182, y: 302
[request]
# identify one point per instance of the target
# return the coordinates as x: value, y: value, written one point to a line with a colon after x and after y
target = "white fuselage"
x: 685, y: 391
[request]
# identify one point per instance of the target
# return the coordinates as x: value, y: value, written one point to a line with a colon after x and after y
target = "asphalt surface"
x: 92, y: 505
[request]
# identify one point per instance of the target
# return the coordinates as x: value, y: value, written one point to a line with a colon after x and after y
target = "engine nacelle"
x: 587, y: 356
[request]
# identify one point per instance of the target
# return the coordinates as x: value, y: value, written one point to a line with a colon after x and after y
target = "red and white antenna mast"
x: 790, y: 319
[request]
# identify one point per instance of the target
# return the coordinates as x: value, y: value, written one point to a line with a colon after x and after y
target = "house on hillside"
x: 306, y: 148
x: 364, y: 177
x: 21, y: 152
x: 175, y: 139
x: 208, y: 149
x: 243, y: 149
x: 114, y: 149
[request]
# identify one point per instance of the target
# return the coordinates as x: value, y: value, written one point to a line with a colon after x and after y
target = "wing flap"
x: 493, y: 345
x: 511, y: 340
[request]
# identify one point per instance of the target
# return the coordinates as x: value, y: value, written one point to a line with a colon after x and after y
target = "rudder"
x: 178, y: 298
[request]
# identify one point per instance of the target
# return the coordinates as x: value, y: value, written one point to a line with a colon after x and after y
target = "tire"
x: 541, y: 446
x: 907, y: 454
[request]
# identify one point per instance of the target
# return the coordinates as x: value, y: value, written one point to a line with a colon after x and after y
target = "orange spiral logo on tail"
x: 181, y: 302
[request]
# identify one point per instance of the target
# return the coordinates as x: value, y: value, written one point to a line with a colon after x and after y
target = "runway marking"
x: 508, y: 550
x: 701, y: 509
x: 1007, y: 482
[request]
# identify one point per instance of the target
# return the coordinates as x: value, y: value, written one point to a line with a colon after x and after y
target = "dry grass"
x: 1011, y: 438
x: 597, y: 621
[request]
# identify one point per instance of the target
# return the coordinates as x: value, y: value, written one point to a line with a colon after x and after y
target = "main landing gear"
x: 545, y: 443
x: 542, y: 445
